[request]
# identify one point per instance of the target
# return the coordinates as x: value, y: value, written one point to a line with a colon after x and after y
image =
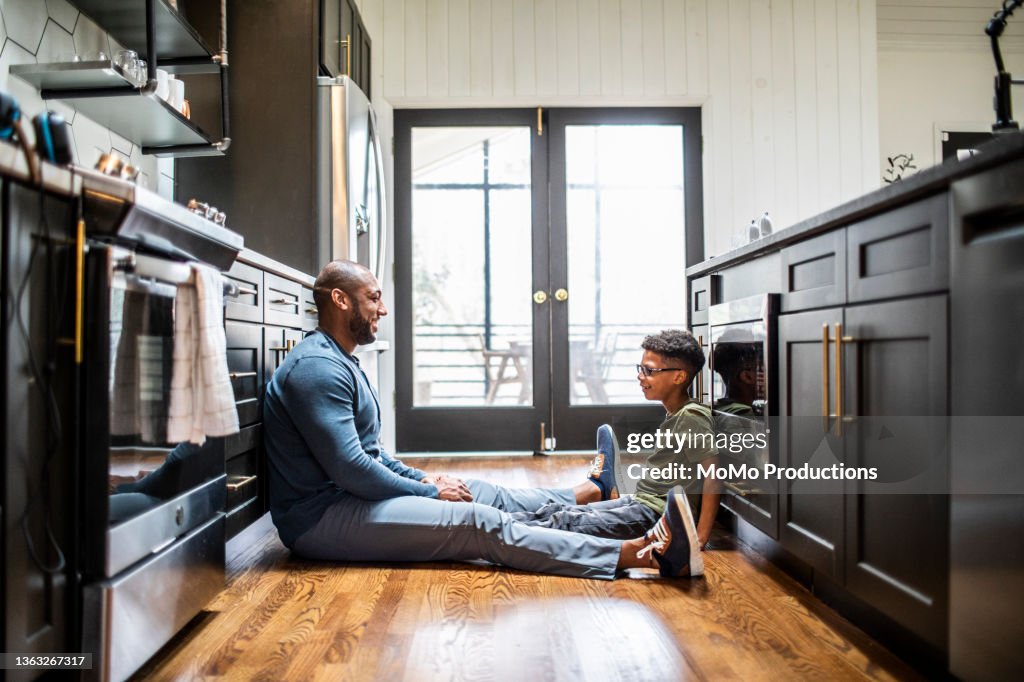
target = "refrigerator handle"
x: 382, y: 204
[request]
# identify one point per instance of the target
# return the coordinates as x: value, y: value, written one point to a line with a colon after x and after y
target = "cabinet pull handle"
x: 840, y: 340
x: 824, y: 377
x: 240, y: 375
x: 245, y: 291
x: 312, y: 311
x: 347, y: 42
x: 700, y: 374
x: 239, y: 483
x: 281, y: 301
x: 279, y: 349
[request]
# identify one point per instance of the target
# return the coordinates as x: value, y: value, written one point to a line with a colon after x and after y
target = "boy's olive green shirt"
x: 692, y: 418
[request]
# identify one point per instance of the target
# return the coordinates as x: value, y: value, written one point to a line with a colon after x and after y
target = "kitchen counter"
x: 928, y: 181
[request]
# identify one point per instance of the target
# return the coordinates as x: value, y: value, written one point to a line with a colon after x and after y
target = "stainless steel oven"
x: 152, y: 520
x: 744, y: 402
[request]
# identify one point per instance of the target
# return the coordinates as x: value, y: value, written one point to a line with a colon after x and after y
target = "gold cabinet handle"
x: 561, y: 295
x: 347, y: 42
x: 312, y: 311
x: 540, y: 296
x: 244, y: 291
x: 240, y: 375
x: 239, y: 483
x: 281, y: 301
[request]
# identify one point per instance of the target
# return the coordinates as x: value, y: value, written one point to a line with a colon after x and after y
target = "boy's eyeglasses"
x: 648, y: 371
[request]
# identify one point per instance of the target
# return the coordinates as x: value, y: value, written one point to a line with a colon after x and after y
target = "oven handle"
x: 173, y: 272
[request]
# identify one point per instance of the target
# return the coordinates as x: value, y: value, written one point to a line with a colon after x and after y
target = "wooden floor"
x: 283, y: 618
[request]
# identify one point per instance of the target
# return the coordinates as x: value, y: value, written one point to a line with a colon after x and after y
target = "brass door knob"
x: 540, y: 296
x: 562, y: 295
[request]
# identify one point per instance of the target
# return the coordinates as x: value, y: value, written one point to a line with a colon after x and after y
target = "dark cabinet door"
x: 896, y: 393
x: 332, y: 52
x: 811, y: 512
x: 355, y: 58
x: 700, y: 389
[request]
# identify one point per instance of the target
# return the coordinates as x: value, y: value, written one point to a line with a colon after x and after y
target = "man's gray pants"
x: 424, y: 529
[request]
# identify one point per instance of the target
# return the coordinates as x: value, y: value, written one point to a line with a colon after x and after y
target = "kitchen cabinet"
x: 263, y: 321
x: 345, y: 44
x: 863, y: 381
x: 897, y: 535
x: 272, y: 184
x: 811, y: 512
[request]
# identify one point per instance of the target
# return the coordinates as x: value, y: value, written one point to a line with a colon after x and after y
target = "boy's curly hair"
x: 678, y: 344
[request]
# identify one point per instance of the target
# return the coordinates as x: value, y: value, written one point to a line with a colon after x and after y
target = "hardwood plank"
x: 285, y: 618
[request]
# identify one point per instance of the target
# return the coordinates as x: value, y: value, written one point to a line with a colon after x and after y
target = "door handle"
x: 540, y: 296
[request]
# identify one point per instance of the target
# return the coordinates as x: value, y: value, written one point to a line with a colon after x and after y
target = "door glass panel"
x: 626, y: 252
x: 472, y: 266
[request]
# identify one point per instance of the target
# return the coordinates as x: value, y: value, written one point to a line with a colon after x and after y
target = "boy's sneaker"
x: 673, y: 539
x: 602, y: 469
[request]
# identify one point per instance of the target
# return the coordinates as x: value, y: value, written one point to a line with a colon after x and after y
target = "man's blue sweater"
x: 321, y: 429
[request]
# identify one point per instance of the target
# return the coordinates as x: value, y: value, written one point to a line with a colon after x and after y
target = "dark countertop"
x: 929, y: 181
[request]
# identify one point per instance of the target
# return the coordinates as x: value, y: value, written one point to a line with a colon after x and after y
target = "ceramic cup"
x: 163, y: 89
x: 175, y: 92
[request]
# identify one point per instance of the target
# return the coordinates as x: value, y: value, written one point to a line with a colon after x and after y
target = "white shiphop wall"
x: 788, y: 88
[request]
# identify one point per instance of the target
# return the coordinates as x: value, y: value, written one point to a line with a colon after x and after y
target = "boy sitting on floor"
x: 670, y: 362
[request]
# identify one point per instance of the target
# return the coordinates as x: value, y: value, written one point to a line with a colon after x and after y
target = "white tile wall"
x: 34, y: 31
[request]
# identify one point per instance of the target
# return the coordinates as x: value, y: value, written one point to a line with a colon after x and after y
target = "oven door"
x: 744, y: 404
x: 142, y: 492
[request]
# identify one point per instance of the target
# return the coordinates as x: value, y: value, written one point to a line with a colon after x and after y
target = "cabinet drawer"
x: 814, y: 272
x: 279, y: 343
x: 248, y: 304
x: 282, y: 302
x: 245, y: 367
x: 903, y: 252
x: 242, y: 517
x: 243, y: 479
x: 245, y: 440
x: 310, y: 319
x: 243, y: 452
x: 704, y: 293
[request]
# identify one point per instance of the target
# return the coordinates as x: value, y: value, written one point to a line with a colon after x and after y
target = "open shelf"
x: 144, y: 119
x: 125, y: 21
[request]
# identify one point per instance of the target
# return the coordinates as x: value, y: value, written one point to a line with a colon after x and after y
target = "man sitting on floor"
x: 336, y: 495
x: 670, y: 362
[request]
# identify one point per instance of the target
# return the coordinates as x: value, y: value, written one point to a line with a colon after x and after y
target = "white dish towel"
x: 202, y: 400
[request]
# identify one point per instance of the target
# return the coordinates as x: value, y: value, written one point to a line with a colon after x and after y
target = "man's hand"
x: 451, y: 489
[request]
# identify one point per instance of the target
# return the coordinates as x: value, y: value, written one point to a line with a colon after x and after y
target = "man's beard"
x: 361, y: 328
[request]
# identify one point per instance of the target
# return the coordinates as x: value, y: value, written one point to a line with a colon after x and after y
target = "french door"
x: 534, y: 251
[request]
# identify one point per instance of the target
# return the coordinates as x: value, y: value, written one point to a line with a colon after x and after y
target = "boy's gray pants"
x: 424, y: 529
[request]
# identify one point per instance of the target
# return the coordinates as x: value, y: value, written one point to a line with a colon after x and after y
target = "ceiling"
x: 944, y: 24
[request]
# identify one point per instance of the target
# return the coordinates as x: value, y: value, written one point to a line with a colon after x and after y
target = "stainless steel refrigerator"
x: 351, y: 208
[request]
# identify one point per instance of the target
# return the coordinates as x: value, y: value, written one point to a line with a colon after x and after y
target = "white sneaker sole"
x: 696, y: 560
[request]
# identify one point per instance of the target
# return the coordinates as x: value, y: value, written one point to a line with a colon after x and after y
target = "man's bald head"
x: 346, y: 275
